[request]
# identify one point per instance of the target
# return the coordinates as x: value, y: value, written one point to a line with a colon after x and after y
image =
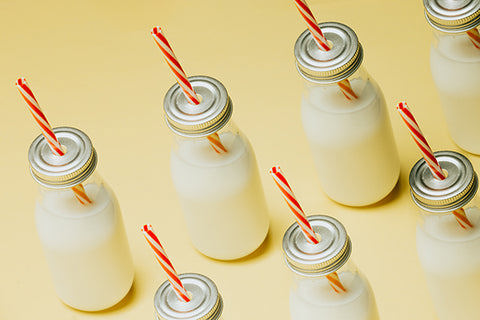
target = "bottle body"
x: 85, y: 246
x: 220, y: 194
x: 312, y: 298
x: 450, y: 258
x: 455, y: 66
x: 351, y: 141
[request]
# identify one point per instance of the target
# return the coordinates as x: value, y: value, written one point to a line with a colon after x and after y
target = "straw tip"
x: 146, y: 227
x: 156, y: 30
x: 402, y: 105
x: 20, y: 81
x: 274, y: 169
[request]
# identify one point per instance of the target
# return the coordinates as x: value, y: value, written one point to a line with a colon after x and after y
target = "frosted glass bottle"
x: 312, y: 296
x: 351, y: 139
x: 455, y: 67
x: 220, y: 193
x: 448, y: 252
x: 85, y: 244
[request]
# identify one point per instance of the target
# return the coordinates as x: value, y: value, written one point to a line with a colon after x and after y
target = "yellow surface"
x: 93, y: 65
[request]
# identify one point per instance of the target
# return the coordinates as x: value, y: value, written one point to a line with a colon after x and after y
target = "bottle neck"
x: 349, y: 90
x: 225, y: 134
x: 360, y: 74
x: 85, y: 193
x: 454, y: 46
x: 340, y: 280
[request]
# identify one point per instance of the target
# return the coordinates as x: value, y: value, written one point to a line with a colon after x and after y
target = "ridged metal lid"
x: 205, y: 304
x: 323, y: 258
x: 74, y: 167
x: 446, y: 195
x: 334, y: 65
x: 213, y: 112
x: 452, y: 16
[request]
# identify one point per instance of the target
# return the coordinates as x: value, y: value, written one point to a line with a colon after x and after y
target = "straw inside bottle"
x: 474, y: 37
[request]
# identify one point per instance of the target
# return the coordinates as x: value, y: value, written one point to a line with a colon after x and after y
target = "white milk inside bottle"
x: 449, y: 253
x: 84, y: 243
x: 220, y: 192
x: 351, y: 139
x: 455, y: 66
x: 206, y: 302
x: 312, y: 296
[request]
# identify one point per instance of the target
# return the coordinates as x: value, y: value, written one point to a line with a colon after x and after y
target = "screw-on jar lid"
x: 205, y: 304
x: 323, y: 258
x: 334, y: 65
x: 213, y: 112
x: 452, y: 15
x: 446, y: 195
x: 74, y: 167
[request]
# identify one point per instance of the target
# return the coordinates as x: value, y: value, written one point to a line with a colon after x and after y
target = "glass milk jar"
x: 314, y: 295
x: 351, y: 138
x: 220, y: 192
x: 206, y: 302
x: 455, y: 67
x: 84, y: 243
x: 448, y: 252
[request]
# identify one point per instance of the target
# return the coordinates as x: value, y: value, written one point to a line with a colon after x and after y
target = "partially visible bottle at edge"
x: 448, y: 252
x: 206, y: 302
x: 455, y: 66
x: 312, y: 296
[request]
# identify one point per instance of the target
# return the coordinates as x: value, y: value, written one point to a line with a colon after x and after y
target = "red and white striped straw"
x: 302, y: 220
x: 322, y: 43
x: 174, y: 65
x: 347, y: 89
x: 39, y: 116
x: 474, y: 36
x: 165, y: 263
x: 47, y: 131
x: 335, y: 283
x: 312, y: 25
x: 420, y: 140
x: 183, y: 81
x: 429, y: 156
x: 292, y: 202
x: 216, y: 144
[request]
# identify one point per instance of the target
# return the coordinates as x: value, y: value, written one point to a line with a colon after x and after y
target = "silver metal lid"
x: 452, y: 15
x: 334, y: 65
x: 74, y: 167
x: 319, y: 259
x: 205, y: 304
x: 440, y: 196
x: 213, y: 112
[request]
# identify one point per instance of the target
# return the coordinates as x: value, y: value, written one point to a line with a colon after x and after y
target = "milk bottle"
x: 85, y: 244
x: 455, y: 66
x: 351, y: 139
x: 220, y: 193
x: 312, y: 296
x: 449, y: 254
x: 206, y: 302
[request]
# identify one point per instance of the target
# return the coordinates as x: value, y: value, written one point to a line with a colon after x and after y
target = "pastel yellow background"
x: 93, y: 65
